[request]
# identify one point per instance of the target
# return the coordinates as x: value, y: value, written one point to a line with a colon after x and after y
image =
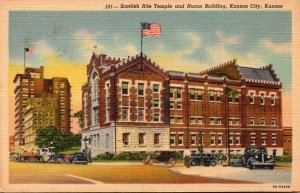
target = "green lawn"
x: 71, y: 150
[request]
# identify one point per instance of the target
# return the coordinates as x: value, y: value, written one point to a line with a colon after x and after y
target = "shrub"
x: 284, y: 158
x: 105, y: 156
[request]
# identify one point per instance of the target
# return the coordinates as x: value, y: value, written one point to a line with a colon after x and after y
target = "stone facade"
x: 140, y: 101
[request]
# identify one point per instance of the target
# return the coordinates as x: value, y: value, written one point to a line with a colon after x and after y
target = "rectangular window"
x: 211, y: 95
x: 62, y: 85
x: 218, y: 121
x: 199, y: 120
x: 156, y: 117
x: 253, y: 139
x: 192, y: 93
x: 141, y: 114
x: 230, y: 121
x: 263, y: 139
x: 155, y: 103
x: 156, y: 138
x: 126, y: 138
x: 155, y: 88
x: 179, y: 119
x: 142, y: 138
x: 179, y: 105
x: 262, y: 121
x: 171, y: 92
x: 179, y: 93
x: 272, y: 99
x: 125, y: 88
x: 193, y: 139
x: 125, y: 113
x: 212, y: 139
x: 251, y: 121
x: 211, y: 121
x: 237, y: 139
x: 199, y: 94
x: 231, y: 139
x: 220, y: 139
x: 236, y: 121
x: 172, y: 139
x: 251, y: 97
x: 273, y: 122
x: 262, y: 98
x: 171, y: 104
x: 106, y: 140
x: 180, y: 139
x: 192, y: 120
x: 274, y: 140
x: 172, y: 119
x: 140, y: 89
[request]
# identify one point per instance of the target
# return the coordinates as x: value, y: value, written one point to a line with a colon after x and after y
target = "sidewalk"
x: 116, y: 163
x: 237, y: 173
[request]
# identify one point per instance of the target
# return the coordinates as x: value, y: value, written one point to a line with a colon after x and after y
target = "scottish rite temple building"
x: 133, y: 105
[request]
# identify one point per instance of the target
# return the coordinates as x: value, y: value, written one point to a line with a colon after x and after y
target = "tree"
x: 78, y: 115
x: 50, y: 137
x: 53, y: 137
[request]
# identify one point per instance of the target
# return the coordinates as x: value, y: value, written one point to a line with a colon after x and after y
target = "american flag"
x: 28, y: 51
x: 151, y: 29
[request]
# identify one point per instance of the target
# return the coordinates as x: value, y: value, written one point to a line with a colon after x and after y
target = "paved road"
x: 278, y: 175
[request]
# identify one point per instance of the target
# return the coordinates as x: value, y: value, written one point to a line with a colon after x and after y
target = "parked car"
x: 78, y: 158
x: 254, y: 157
x: 205, y: 159
x: 166, y: 157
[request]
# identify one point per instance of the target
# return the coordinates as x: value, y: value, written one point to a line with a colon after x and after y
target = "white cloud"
x: 87, y: 42
x: 282, y: 48
x: 227, y: 40
x: 195, y: 43
x: 131, y: 50
x: 42, y: 48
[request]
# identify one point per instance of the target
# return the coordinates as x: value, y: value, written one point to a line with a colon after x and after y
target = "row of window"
x: 141, y: 88
x: 218, y: 120
x: 47, y: 114
x: 196, y: 94
x: 141, y: 115
x: 40, y: 122
x: 142, y: 138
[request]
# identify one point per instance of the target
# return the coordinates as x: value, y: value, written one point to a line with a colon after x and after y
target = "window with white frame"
x: 179, y: 105
x: 251, y: 121
x: 212, y: 139
x: 262, y: 98
x: 171, y: 95
x: 272, y: 99
x: 125, y: 88
x: 180, y: 139
x: 274, y: 139
x: 141, y: 114
x: 251, y: 97
x: 126, y: 138
x: 179, y: 119
x: 192, y: 93
x: 263, y: 139
x: 273, y: 122
x: 155, y: 88
x: 156, y: 103
x: 172, y: 139
x: 140, y: 89
x: 231, y: 139
x: 96, y: 115
x: 125, y: 113
x: 237, y: 139
x: 193, y: 139
x: 215, y: 121
x: 220, y: 136
x: 178, y: 95
x: 253, y: 139
x: 192, y: 120
x: 156, y: 117
x: 199, y: 120
x: 172, y: 119
x: 171, y: 104
x: 262, y: 121
x: 199, y: 94
x: 142, y: 138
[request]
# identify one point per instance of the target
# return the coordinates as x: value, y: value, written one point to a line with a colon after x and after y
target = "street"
x: 43, y: 173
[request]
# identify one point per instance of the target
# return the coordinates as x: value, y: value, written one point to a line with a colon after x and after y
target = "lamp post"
x: 200, y: 146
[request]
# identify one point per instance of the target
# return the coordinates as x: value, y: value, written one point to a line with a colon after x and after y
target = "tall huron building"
x: 133, y: 105
x: 31, y: 87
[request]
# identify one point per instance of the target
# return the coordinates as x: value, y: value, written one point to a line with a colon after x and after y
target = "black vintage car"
x: 78, y: 158
x: 257, y: 157
x: 205, y: 159
x: 166, y: 157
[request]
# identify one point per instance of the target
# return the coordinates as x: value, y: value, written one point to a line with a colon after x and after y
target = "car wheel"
x: 151, y: 161
x: 213, y: 163
x: 232, y: 164
x: 250, y: 165
x: 194, y: 163
x: 173, y: 162
x: 271, y: 167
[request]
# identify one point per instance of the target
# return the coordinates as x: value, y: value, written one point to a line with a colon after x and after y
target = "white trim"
x: 121, y: 80
x: 137, y: 88
x: 215, y: 89
x: 177, y: 85
x: 196, y: 87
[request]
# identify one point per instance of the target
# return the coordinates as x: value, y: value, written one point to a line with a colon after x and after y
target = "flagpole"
x: 141, y: 45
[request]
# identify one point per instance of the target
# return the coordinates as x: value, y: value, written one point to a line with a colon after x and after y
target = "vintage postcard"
x: 139, y: 96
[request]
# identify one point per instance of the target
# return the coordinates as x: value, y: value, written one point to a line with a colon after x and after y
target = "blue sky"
x: 191, y: 40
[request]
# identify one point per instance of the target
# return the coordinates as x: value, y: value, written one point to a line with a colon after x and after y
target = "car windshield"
x: 258, y: 150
